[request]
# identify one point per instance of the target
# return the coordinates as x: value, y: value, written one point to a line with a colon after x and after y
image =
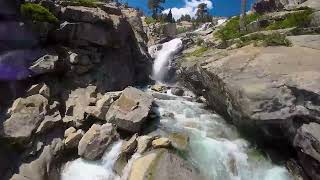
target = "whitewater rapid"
x: 215, y: 148
x: 164, y: 57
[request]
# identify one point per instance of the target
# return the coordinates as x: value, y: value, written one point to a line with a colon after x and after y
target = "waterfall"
x: 93, y: 170
x: 164, y: 58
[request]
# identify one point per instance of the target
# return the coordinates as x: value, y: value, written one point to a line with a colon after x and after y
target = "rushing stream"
x: 215, y: 148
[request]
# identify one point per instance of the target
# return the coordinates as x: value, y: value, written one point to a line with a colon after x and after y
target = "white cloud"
x: 190, y: 8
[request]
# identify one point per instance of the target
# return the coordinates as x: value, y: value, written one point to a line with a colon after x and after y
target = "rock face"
x: 162, y: 164
x: 130, y: 111
x: 28, y: 116
x: 54, y: 76
x: 96, y: 140
x: 273, y: 90
x: 307, y: 141
x: 273, y: 5
x: 46, y: 166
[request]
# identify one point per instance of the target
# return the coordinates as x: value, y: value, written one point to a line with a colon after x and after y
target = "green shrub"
x: 36, y: 12
x: 274, y: 39
x: 199, y: 41
x: 150, y: 20
x: 181, y: 30
x: 198, y: 52
x: 85, y: 3
x: 232, y: 29
x: 298, y: 19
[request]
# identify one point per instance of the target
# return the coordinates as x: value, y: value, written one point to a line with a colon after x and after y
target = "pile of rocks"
x: 36, y: 127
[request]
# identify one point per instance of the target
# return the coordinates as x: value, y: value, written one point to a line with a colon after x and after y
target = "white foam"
x: 164, y: 57
x: 81, y: 169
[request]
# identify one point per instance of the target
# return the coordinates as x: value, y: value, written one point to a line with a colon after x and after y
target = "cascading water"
x: 81, y: 169
x: 164, y: 57
x: 215, y: 147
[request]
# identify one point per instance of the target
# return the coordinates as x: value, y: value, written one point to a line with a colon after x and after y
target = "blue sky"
x: 219, y: 7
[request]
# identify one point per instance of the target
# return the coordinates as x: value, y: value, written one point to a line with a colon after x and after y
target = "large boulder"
x: 269, y: 91
x: 96, y: 140
x: 77, y: 102
x: 315, y: 19
x: 45, y: 64
x: 307, y: 141
x: 131, y: 110
x: 263, y: 6
x: 26, y: 114
x: 45, y: 166
x: 162, y: 164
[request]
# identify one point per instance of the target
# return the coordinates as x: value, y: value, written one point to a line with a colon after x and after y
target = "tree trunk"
x: 243, y: 16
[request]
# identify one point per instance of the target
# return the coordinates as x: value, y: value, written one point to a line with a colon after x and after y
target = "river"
x: 215, y: 148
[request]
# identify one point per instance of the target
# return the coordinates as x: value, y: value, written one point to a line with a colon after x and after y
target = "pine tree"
x: 242, y: 20
x: 169, y: 17
x: 155, y: 7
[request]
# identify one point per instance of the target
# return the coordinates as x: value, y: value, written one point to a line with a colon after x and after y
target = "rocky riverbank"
x: 56, y: 74
x: 271, y: 92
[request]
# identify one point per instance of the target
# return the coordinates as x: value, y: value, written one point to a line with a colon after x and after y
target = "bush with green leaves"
x: 297, y: 19
x: 86, y: 3
x: 274, y: 39
x: 36, y: 12
x: 232, y: 28
x: 197, y: 52
x: 150, y: 20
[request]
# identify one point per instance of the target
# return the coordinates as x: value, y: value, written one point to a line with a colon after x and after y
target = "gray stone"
x: 309, y: 41
x: 26, y: 114
x: 42, y: 89
x: 45, y: 64
x: 96, y: 140
x: 161, y: 164
x: 144, y: 142
x: 72, y: 140
x: 131, y: 110
x: 45, y: 166
x: 265, y: 90
x: 177, y: 91
x: 77, y: 102
x: 129, y: 147
x: 315, y: 19
x: 161, y: 143
x: 307, y: 141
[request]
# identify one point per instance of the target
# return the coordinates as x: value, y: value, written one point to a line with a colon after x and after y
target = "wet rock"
x: 177, y: 91
x: 161, y: 143
x: 131, y: 110
x: 121, y: 162
x: 179, y: 141
x: 159, y: 88
x: 129, y: 147
x: 162, y: 164
x: 96, y: 140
